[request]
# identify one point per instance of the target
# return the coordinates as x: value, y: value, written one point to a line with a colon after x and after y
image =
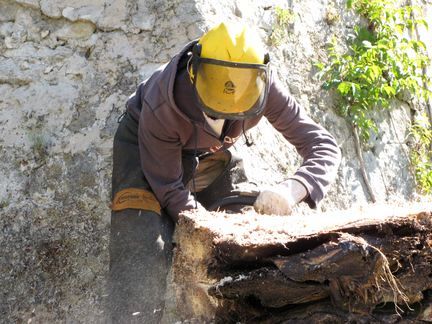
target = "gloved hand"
x: 281, y: 198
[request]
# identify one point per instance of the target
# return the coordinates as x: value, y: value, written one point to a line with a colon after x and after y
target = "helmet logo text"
x: 229, y: 87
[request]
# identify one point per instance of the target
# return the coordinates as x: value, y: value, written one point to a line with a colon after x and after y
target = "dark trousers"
x: 141, y: 241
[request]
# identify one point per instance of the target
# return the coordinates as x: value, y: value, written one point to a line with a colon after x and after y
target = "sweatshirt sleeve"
x: 160, y: 153
x: 319, y: 150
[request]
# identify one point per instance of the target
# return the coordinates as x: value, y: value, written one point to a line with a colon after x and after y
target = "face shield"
x: 230, y: 90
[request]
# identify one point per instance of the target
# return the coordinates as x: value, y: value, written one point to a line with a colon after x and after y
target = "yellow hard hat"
x: 232, y: 42
x: 230, y: 72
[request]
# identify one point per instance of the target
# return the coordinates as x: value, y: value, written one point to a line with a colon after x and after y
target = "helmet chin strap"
x: 189, y: 68
x: 191, y: 64
x: 211, y: 117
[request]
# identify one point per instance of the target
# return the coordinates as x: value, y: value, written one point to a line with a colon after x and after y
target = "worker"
x: 172, y: 146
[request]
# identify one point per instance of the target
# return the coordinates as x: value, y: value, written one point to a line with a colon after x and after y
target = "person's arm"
x: 319, y: 150
x: 160, y: 152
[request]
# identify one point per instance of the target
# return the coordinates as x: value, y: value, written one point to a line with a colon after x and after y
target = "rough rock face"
x: 66, y: 69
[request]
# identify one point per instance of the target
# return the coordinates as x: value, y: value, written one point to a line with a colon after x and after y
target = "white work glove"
x: 281, y: 198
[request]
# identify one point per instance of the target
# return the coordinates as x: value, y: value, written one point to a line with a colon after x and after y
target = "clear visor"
x: 231, y: 90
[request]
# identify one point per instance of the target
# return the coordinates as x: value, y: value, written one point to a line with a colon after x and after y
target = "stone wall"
x: 66, y: 69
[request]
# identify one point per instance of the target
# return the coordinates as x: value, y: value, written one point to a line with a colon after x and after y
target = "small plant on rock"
x: 282, y: 18
x: 39, y: 146
x: 421, y: 153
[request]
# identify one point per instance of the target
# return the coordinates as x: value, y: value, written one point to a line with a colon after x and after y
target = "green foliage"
x: 4, y: 204
x: 421, y: 153
x: 382, y: 63
x: 39, y: 146
x: 283, y: 17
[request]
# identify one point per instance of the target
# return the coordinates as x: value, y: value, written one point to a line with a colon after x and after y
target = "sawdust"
x: 251, y: 228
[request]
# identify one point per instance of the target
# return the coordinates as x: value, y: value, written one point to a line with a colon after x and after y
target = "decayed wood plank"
x: 246, y: 265
x: 247, y: 237
x: 270, y: 287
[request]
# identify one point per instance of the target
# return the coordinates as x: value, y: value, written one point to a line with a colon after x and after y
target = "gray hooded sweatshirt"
x: 170, y: 122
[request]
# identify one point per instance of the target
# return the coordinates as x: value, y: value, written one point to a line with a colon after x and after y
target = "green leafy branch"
x: 382, y: 63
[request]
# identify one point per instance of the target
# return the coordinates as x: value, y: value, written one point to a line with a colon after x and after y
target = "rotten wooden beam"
x: 249, y: 267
